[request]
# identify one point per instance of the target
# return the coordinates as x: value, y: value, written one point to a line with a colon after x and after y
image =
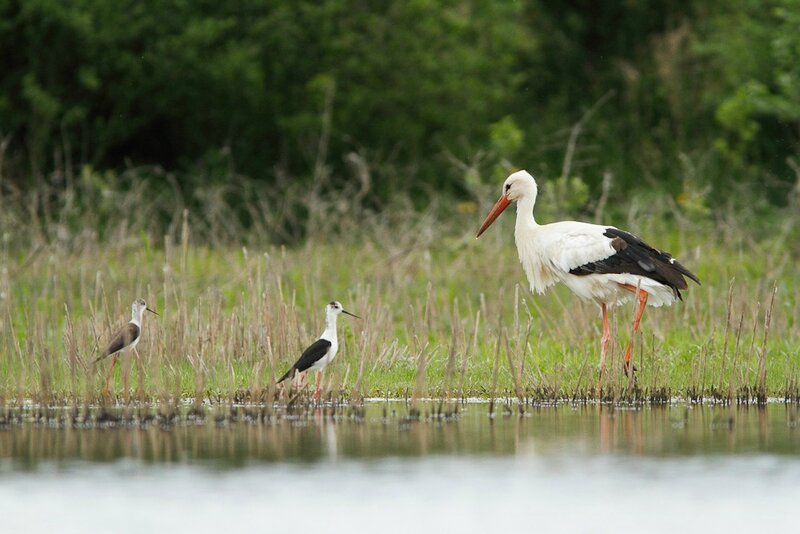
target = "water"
x: 558, y: 469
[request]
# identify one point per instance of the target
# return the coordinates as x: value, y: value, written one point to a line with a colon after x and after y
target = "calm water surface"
x: 557, y: 469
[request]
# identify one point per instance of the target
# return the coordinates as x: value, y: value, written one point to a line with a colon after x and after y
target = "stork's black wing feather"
x: 634, y: 256
x: 310, y: 356
x: 124, y: 337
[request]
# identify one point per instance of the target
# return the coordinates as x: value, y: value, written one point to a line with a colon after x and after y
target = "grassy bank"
x: 443, y: 314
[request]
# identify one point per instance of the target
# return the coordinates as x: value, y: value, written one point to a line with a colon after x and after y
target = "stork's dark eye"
x: 508, y: 186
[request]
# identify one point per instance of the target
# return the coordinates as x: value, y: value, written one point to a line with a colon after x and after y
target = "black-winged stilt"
x: 126, y: 338
x: 322, y: 351
x: 599, y: 263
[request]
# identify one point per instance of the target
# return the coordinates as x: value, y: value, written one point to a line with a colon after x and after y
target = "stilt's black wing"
x: 634, y: 256
x: 310, y: 356
x: 124, y: 337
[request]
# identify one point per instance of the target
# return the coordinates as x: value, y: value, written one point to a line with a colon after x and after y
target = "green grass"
x: 433, y: 300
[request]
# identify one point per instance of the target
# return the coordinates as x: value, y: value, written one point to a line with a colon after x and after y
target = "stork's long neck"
x: 330, y: 327
x: 527, y: 234
x: 525, y: 220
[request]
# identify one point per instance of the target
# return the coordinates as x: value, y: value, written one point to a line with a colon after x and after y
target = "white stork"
x: 598, y: 263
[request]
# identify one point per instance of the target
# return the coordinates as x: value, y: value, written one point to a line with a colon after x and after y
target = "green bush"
x: 291, y: 91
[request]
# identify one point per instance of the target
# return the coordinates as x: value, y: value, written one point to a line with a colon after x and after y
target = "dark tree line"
x: 418, y: 89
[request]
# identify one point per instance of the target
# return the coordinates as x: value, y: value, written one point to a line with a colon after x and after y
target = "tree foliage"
x: 756, y: 46
x: 290, y: 88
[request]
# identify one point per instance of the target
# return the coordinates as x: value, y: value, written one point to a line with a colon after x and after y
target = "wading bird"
x: 598, y: 263
x: 126, y: 338
x: 323, y: 350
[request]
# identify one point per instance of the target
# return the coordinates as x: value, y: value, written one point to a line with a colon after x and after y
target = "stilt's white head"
x: 137, y: 310
x: 334, y: 308
x: 519, y: 185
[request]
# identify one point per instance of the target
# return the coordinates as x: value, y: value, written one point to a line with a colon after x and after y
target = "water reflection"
x: 386, y: 431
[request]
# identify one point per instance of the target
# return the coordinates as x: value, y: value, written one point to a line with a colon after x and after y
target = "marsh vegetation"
x: 444, y: 315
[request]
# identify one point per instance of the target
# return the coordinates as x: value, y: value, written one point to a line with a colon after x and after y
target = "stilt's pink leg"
x: 319, y: 379
x: 110, y: 372
x: 299, y: 380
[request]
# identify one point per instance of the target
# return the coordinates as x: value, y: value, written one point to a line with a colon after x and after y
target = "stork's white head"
x: 334, y: 308
x: 518, y: 186
x: 137, y: 310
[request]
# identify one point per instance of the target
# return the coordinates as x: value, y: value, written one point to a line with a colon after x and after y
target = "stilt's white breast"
x: 320, y: 364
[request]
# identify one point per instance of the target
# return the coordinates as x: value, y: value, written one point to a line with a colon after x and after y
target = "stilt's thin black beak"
x: 151, y: 311
x: 351, y: 314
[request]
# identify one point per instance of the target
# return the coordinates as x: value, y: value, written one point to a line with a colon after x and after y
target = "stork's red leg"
x: 110, y: 372
x: 319, y: 379
x: 636, y: 320
x: 603, y: 346
x: 605, y: 339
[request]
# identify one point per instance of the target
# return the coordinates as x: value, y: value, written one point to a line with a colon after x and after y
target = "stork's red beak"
x: 498, y: 208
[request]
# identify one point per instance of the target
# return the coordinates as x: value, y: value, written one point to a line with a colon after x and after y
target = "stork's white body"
x: 548, y: 252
